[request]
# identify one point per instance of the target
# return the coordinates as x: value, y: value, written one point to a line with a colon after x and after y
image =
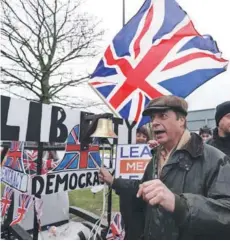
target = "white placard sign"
x: 38, y: 122
x: 48, y: 123
x: 132, y: 160
x: 63, y: 181
x: 15, y: 179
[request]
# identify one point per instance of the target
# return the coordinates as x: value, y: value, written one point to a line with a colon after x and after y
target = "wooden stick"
x: 114, y: 112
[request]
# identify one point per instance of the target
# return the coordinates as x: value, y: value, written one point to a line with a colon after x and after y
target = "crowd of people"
x: 185, y: 190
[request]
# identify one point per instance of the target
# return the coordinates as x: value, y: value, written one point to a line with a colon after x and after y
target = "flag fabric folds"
x: 158, y: 52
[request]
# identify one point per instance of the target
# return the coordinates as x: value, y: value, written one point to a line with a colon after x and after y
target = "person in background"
x: 125, y: 202
x: 142, y: 136
x: 205, y: 133
x: 221, y: 134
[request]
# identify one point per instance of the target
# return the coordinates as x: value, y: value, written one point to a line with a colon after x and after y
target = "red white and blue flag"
x: 24, y: 204
x: 158, y: 52
x: 75, y: 158
x: 30, y: 158
x: 14, y: 158
x: 6, y: 200
x: 30, y: 161
x: 116, y: 229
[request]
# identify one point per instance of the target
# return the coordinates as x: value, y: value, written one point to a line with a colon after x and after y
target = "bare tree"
x: 41, y: 40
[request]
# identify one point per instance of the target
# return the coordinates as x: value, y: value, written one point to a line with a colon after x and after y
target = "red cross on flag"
x: 6, y: 200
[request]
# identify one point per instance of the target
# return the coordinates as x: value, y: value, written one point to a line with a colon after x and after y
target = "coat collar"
x: 194, y: 146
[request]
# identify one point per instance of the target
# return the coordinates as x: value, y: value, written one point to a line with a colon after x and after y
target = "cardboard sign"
x: 12, y: 170
x: 15, y: 179
x: 132, y: 160
x: 47, y: 123
x: 63, y: 181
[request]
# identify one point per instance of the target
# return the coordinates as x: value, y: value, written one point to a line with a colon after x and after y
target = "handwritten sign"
x: 63, y: 181
x: 15, y: 179
x: 132, y: 160
x: 48, y: 123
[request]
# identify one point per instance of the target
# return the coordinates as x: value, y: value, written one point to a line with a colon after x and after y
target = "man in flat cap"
x: 185, y: 190
x: 221, y: 134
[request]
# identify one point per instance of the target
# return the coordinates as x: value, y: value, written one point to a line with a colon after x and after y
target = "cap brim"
x: 148, y: 111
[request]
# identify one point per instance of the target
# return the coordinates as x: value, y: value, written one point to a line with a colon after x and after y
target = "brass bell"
x: 104, y: 129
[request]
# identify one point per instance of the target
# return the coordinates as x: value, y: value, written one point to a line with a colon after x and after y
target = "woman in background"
x: 142, y: 136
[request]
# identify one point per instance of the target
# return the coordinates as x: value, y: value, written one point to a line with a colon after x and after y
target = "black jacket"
x: 199, y: 175
x: 221, y: 143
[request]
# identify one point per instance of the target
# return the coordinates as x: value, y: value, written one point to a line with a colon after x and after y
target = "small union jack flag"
x: 49, y: 165
x: 24, y: 204
x: 158, y: 52
x: 6, y: 200
x: 15, y: 156
x: 75, y: 158
x: 30, y: 162
x: 116, y: 229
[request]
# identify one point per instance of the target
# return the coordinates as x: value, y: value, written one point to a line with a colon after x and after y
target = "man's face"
x: 224, y: 125
x: 141, y: 138
x: 205, y: 136
x: 167, y: 127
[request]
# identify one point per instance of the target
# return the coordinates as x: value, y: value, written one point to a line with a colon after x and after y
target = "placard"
x: 48, y: 123
x: 132, y: 160
x: 15, y: 179
x: 63, y: 181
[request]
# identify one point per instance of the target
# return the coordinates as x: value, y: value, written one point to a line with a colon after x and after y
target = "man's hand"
x: 153, y: 143
x: 105, y: 176
x: 155, y: 192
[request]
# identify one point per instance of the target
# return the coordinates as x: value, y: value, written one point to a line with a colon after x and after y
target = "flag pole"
x: 111, y: 109
x: 109, y: 200
x: 123, y: 13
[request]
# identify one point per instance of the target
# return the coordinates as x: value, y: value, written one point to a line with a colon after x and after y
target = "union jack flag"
x: 158, y: 52
x: 116, y: 229
x: 24, y: 204
x: 49, y: 165
x: 30, y: 162
x: 6, y: 200
x: 15, y: 157
x: 75, y: 158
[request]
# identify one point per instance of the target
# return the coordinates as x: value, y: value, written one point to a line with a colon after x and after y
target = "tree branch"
x: 41, y: 38
x: 61, y: 86
x: 21, y: 82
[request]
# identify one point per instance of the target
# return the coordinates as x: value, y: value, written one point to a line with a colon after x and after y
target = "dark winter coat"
x: 199, y: 176
x: 221, y: 143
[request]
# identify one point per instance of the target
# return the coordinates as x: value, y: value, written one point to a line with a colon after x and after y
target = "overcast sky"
x: 209, y: 17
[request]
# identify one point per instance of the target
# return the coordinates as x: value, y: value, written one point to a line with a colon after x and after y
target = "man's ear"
x: 182, y: 121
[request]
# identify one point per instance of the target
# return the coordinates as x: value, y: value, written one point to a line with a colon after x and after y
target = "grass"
x: 85, y: 199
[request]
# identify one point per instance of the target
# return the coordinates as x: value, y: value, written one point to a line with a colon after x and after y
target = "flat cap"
x: 166, y: 102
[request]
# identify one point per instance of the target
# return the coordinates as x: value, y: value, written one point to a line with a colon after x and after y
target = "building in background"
x: 199, y: 118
